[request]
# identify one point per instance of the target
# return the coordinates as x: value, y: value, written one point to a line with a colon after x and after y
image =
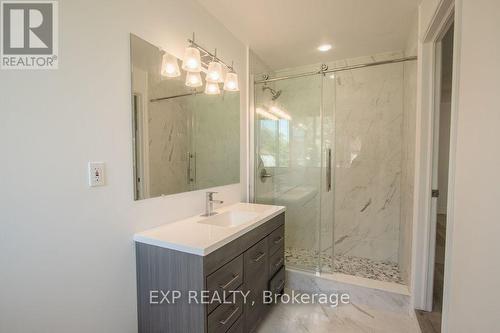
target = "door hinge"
x: 435, y: 193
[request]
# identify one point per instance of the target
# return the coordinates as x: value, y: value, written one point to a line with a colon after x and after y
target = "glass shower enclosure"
x: 293, y: 131
x: 329, y: 147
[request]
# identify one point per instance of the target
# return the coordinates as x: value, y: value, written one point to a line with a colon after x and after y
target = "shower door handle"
x: 263, y: 175
x: 329, y: 170
x: 191, y: 171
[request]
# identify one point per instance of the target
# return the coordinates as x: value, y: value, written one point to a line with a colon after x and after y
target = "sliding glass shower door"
x: 336, y: 150
x: 293, y: 130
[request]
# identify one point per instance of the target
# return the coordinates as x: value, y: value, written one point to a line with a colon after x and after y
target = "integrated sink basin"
x: 232, y: 218
x: 202, y: 235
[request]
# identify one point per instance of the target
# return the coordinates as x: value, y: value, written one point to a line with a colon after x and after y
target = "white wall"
x: 66, y: 252
x: 472, y: 274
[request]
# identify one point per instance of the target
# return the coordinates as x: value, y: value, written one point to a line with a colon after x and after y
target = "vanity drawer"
x: 256, y: 261
x: 255, y: 309
x: 276, y: 261
x: 227, y: 278
x: 221, y: 319
x: 276, y: 239
x: 277, y: 283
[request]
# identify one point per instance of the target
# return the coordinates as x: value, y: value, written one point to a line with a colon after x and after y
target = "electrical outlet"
x: 96, y: 174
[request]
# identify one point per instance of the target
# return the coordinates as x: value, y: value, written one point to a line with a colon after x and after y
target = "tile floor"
x: 357, y: 266
x: 346, y: 318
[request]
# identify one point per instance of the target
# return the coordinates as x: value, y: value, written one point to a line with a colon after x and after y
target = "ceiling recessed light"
x: 324, y: 47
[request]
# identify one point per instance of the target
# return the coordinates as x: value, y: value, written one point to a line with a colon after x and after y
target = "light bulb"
x: 214, y: 72
x: 193, y: 79
x: 169, y: 66
x: 231, y: 82
x: 191, y: 61
x: 212, y: 88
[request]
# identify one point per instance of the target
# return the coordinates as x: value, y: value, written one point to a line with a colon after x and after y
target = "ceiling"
x: 286, y: 33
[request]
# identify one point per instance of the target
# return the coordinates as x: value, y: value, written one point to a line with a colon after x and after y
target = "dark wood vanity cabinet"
x: 252, y: 263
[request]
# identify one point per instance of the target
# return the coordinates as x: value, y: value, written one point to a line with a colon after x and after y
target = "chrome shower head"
x: 275, y: 93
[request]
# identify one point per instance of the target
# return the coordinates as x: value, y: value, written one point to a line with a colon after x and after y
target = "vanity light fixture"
x: 170, y: 66
x: 212, y: 88
x: 214, y: 71
x: 195, y: 60
x: 231, y: 82
x: 192, y: 59
x: 193, y: 79
x: 324, y: 47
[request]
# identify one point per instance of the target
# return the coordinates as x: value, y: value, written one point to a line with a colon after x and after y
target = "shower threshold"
x: 349, y: 265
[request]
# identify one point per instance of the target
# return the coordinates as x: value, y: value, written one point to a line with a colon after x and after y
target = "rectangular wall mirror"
x: 183, y: 139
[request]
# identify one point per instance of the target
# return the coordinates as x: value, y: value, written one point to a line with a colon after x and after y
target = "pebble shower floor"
x: 357, y: 266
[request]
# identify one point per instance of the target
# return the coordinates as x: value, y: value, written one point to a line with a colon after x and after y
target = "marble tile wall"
x: 368, y: 117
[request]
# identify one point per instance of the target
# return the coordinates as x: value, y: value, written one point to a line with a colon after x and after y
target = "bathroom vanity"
x: 210, y: 263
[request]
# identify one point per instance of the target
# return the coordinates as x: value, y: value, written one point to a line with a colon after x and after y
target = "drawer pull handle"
x: 279, y: 262
x: 225, y: 321
x: 278, y: 240
x: 280, y: 287
x: 224, y: 286
x: 259, y: 257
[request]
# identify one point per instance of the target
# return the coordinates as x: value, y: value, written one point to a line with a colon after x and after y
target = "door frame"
x: 435, y: 18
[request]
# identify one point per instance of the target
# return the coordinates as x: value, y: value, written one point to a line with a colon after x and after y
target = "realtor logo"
x: 29, y: 35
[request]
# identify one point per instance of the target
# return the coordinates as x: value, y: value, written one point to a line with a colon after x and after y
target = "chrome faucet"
x: 209, y: 204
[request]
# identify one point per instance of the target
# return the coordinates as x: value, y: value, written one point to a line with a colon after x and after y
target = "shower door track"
x: 339, y: 69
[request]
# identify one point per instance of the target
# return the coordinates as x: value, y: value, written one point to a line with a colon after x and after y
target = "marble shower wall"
x: 368, y: 161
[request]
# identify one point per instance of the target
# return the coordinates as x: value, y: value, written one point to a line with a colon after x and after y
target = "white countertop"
x: 191, y: 236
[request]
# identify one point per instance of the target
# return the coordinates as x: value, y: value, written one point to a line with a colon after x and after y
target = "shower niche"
x: 331, y: 148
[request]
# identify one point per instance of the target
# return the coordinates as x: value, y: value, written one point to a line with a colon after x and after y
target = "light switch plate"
x: 96, y: 174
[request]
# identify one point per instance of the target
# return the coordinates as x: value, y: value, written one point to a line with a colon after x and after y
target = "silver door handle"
x: 264, y: 175
x: 190, y: 169
x: 329, y: 170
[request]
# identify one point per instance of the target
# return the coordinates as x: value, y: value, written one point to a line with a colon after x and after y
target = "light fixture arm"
x: 207, y: 53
